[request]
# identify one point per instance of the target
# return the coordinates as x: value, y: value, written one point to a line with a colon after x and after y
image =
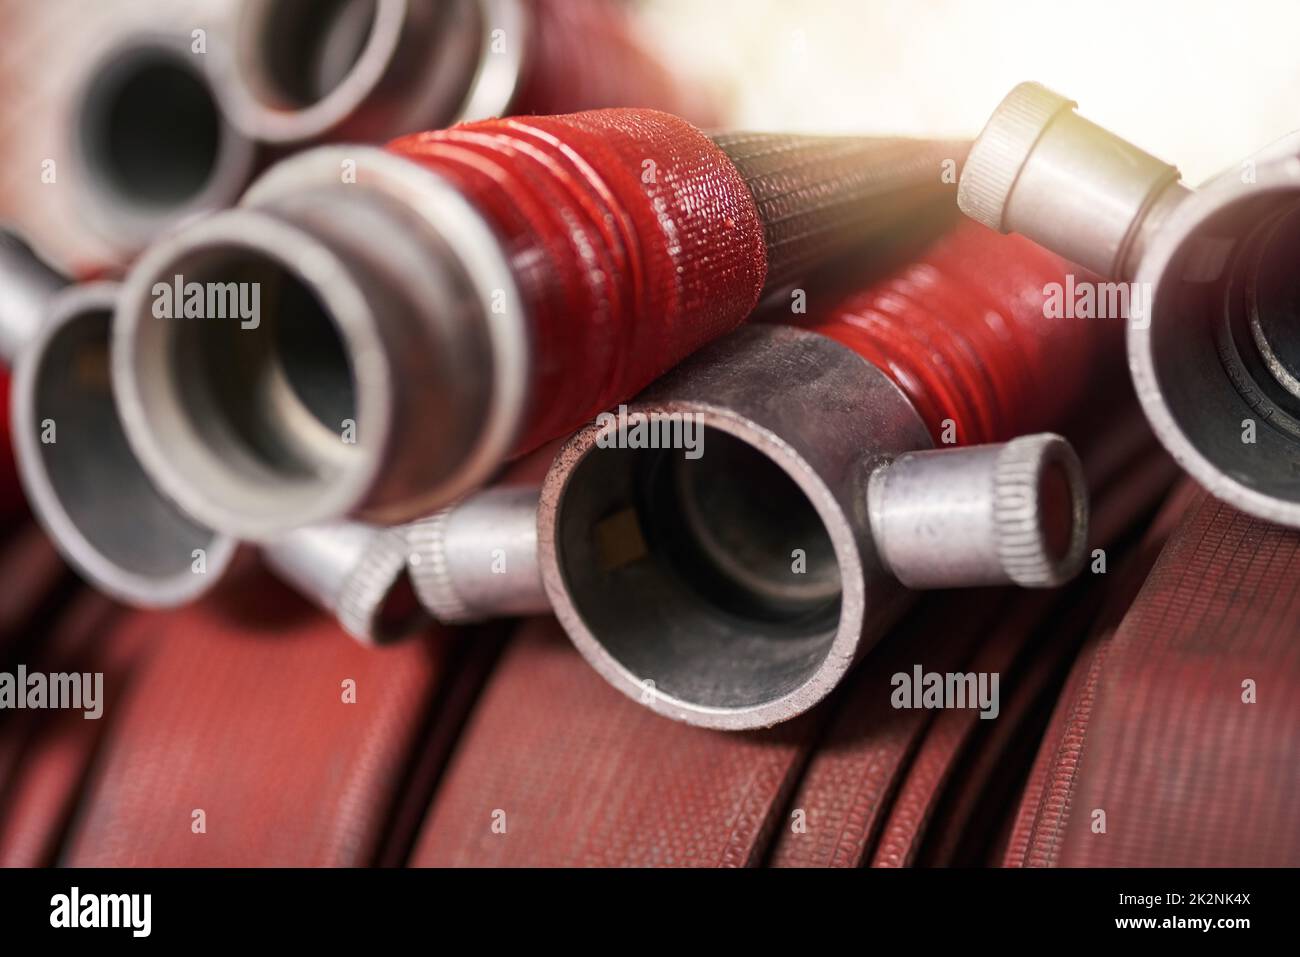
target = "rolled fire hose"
x: 817, y: 503
x: 370, y: 70
x: 45, y: 753
x: 260, y: 736
x: 556, y: 769
x: 1176, y: 744
x: 1213, y: 346
x: 484, y: 288
x: 546, y: 729
x: 105, y: 516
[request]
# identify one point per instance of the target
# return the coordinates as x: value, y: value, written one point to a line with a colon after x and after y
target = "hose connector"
x: 1008, y: 513
x: 733, y: 588
x: 151, y: 144
x: 478, y: 559
x: 109, y: 520
x: 368, y: 70
x: 1041, y: 170
x: 1213, y: 349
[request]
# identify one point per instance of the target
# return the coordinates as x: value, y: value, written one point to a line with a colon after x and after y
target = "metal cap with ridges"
x: 361, y: 602
x: 430, y: 572
x: 1022, y: 515
x: 997, y: 156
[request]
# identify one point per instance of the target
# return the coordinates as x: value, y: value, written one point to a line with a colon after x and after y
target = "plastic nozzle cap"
x: 996, y: 158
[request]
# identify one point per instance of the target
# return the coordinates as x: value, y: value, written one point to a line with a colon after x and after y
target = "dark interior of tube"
x: 1226, y: 341
x: 150, y: 129
x: 90, y: 466
x: 400, y: 613
x: 307, y: 48
x: 713, y: 577
x: 264, y: 376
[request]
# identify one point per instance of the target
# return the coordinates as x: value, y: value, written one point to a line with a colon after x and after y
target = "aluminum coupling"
x: 730, y: 577
x: 731, y: 580
x: 90, y: 493
x: 1208, y: 279
x: 150, y: 143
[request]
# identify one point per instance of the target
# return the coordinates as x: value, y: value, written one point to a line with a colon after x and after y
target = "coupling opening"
x: 1223, y: 348
x: 301, y: 51
x: 147, y: 103
x: 83, y: 478
x: 1057, y: 511
x: 302, y: 69
x: 251, y: 375
x: 279, y: 393
x: 716, y: 578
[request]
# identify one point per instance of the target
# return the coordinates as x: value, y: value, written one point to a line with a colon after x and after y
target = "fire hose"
x: 635, y: 548
x: 487, y: 288
x: 579, y: 778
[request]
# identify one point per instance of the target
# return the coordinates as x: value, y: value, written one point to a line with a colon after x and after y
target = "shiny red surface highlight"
x: 963, y: 331
x: 632, y: 236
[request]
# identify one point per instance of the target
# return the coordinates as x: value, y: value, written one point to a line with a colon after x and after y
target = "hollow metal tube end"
x: 724, y: 575
x: 151, y: 144
x: 381, y: 305
x: 1011, y: 513
x: 301, y: 71
x: 81, y: 476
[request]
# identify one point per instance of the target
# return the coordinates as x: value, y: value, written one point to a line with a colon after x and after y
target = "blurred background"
x: 1200, y: 83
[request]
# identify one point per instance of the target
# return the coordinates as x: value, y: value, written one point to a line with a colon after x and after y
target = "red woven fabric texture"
x: 585, y: 55
x: 45, y: 756
x: 578, y: 775
x: 240, y: 713
x: 1045, y: 796
x: 853, y: 779
x: 1157, y: 734
x: 633, y: 238
x: 961, y: 330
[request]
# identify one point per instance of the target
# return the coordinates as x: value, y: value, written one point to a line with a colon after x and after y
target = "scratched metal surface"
x: 44, y: 47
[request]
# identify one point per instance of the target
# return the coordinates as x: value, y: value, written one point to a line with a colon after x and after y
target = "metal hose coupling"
x: 430, y: 310
x: 723, y: 550
x: 370, y: 70
x: 735, y: 590
x: 1213, y: 341
x: 150, y: 143
x: 107, y: 518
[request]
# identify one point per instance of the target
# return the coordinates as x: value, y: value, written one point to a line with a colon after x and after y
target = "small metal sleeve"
x: 1041, y: 170
x: 478, y: 559
x: 357, y: 571
x: 1010, y: 513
